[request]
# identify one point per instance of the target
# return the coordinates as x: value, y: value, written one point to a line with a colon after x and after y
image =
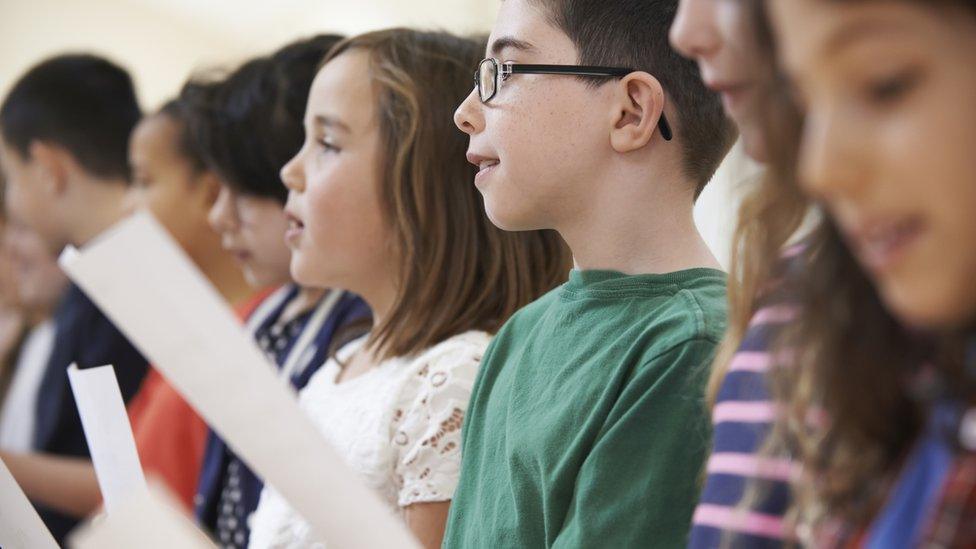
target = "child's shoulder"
x: 695, y: 315
x: 706, y: 300
x: 531, y: 313
x: 456, y: 350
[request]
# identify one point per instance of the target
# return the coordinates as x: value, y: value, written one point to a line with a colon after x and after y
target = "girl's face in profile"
x: 338, y: 235
x: 889, y: 91
x: 252, y: 229
x: 720, y: 36
x: 165, y: 183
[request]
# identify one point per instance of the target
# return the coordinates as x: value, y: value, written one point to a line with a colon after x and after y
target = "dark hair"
x: 456, y: 271
x: 81, y: 102
x: 251, y: 124
x: 187, y: 145
x: 634, y: 34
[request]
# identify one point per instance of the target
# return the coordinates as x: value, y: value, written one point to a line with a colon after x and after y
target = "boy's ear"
x: 53, y: 165
x: 637, y: 109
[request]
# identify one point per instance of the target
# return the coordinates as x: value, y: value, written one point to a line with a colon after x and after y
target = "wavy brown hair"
x: 847, y: 412
x: 456, y: 271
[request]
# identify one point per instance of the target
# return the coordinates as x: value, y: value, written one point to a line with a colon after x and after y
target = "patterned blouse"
x: 398, y: 426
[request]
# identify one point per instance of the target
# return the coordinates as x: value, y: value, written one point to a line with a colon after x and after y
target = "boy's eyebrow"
x: 500, y: 44
x: 330, y: 122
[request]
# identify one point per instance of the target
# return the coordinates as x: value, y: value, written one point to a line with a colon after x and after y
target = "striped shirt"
x: 741, y: 419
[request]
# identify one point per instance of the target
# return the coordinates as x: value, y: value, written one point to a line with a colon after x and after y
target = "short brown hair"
x: 634, y: 34
x: 457, y: 271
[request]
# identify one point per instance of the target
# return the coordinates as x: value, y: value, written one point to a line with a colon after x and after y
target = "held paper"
x: 109, y: 434
x: 147, y: 285
x: 20, y: 525
x: 150, y: 519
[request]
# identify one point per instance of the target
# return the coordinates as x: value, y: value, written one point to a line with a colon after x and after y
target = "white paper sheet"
x: 145, y: 283
x: 20, y: 526
x: 150, y: 519
x: 109, y: 434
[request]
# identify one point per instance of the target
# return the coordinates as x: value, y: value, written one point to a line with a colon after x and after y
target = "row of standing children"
x: 490, y: 399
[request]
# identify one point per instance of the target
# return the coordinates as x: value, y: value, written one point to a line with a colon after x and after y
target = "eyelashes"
x: 327, y: 146
x: 891, y: 89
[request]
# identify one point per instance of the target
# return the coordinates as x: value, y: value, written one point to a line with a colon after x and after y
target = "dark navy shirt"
x: 278, y: 341
x: 84, y: 336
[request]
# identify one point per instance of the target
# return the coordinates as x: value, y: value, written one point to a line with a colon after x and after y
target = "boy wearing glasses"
x: 587, y: 427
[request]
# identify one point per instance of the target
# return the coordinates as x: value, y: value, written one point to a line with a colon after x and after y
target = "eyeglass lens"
x: 487, y: 79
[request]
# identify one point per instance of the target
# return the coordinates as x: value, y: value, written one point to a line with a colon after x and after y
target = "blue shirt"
x: 906, y: 512
x: 218, y: 458
x: 86, y: 337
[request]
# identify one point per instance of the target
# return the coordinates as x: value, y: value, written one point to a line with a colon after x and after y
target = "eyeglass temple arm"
x: 576, y: 70
x: 581, y: 70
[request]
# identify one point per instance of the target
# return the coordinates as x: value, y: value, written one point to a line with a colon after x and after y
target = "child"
x: 170, y: 180
x: 381, y: 202
x: 65, y: 128
x: 37, y: 285
x: 249, y: 125
x: 732, y: 46
x: 586, y: 425
x: 879, y: 396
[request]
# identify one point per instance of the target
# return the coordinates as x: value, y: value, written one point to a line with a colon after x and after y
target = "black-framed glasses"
x: 490, y: 74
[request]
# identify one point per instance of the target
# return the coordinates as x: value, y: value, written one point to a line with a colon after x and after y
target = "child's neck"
x: 306, y: 299
x: 629, y: 228
x: 103, y: 206
x: 223, y: 271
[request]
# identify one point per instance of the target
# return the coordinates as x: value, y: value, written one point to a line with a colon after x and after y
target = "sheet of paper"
x: 20, y: 526
x: 150, y: 519
x: 109, y: 434
x: 147, y: 285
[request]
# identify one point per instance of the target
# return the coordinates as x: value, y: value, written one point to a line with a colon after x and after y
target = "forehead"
x: 343, y: 89
x: 808, y: 31
x: 526, y: 22
x: 153, y: 135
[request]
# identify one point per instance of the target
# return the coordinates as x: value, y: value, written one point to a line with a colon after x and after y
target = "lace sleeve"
x: 427, y: 422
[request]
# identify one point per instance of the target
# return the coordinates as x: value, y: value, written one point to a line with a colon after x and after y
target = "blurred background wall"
x: 161, y: 42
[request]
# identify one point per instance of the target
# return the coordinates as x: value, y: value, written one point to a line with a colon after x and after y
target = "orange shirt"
x: 170, y: 437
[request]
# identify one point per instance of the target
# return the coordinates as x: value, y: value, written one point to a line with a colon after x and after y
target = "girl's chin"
x: 922, y: 309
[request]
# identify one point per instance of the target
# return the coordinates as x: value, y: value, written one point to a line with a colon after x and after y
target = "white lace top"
x: 397, y: 425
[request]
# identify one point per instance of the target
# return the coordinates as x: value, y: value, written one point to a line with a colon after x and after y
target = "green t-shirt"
x: 587, y: 425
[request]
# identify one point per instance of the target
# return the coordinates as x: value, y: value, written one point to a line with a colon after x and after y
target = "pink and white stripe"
x: 745, y: 361
x: 744, y: 412
x: 776, y: 314
x: 751, y: 465
x: 745, y: 522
